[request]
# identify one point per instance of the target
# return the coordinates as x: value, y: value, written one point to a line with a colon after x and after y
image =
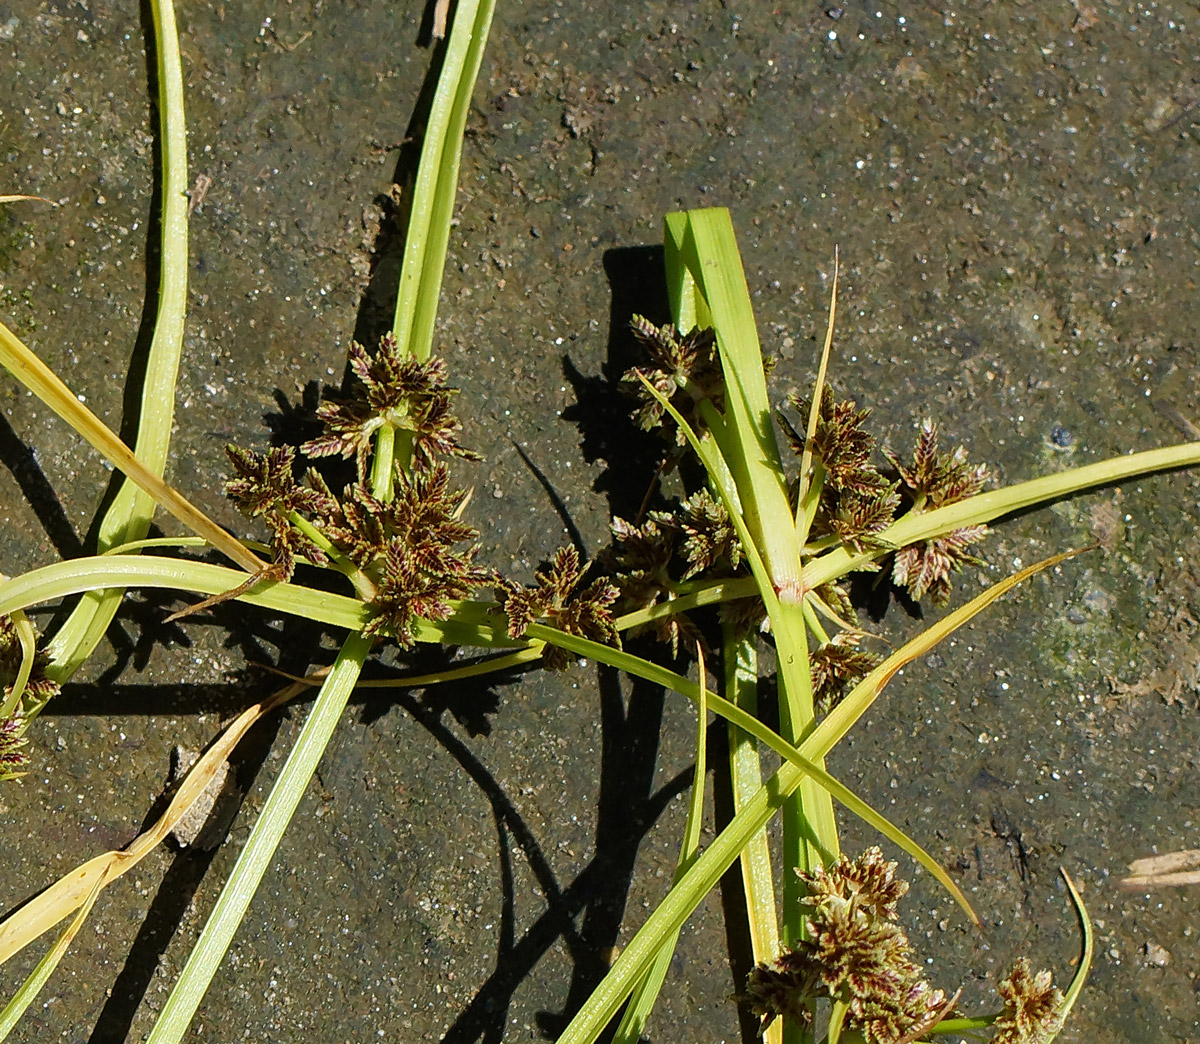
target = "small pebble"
x: 1157, y: 956
x: 1061, y: 437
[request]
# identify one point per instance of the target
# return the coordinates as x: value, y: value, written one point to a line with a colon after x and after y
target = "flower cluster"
x: 684, y: 371
x: 856, y: 954
x: 855, y: 504
x: 836, y: 666
x: 856, y: 500
x: 1033, y: 1007
x: 651, y: 561
x: 558, y: 599
x: 398, y: 392
x: 934, y: 480
x: 266, y: 488
x: 412, y: 553
x: 411, y: 547
x: 37, y: 690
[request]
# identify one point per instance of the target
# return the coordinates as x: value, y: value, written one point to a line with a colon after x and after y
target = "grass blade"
x: 707, y: 246
x: 42, y: 381
x: 1087, y: 948
x: 50, y: 906
x: 987, y: 507
x: 633, y: 1021
x: 20, y: 197
x: 62, y: 579
x: 30, y: 988
x: 128, y: 516
x: 688, y: 307
x: 472, y: 624
x: 252, y: 862
x: 708, y: 250
x: 428, y: 230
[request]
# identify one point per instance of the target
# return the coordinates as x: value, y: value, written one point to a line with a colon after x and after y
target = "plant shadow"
x: 627, y: 806
x: 601, y: 411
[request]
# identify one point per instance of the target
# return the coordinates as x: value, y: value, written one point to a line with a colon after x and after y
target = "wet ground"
x: 1014, y: 197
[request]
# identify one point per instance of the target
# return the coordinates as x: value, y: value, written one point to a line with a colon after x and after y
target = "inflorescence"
x: 655, y: 559
x: 33, y: 694
x: 856, y: 957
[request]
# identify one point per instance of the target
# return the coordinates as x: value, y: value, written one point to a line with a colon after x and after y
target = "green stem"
x: 740, y: 660
x: 383, y: 463
x: 363, y: 585
x: 255, y: 858
x: 428, y: 230
x: 129, y: 515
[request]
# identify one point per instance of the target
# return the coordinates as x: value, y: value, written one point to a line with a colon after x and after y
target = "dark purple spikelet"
x: 933, y: 480
x: 855, y: 954
x: 1033, y: 1007
x: 836, y: 667
x: 265, y: 487
x: 558, y: 599
x: 413, y: 546
x: 13, y: 759
x: 394, y: 391
x: 684, y: 371
x: 856, y: 501
x: 37, y: 691
x: 840, y: 442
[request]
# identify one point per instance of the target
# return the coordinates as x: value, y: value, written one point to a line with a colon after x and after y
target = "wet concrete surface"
x: 1012, y: 189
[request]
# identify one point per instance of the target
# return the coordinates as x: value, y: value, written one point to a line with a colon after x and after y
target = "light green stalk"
x: 641, y: 1003
x: 433, y: 194
x: 745, y: 777
x: 128, y: 516
x: 255, y: 858
x: 703, y: 243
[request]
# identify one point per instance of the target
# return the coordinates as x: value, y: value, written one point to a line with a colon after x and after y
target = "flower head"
x: 934, y: 480
x: 558, y: 598
x: 840, y: 442
x: 1033, y: 1007
x: 684, y: 371
x: 855, y: 953
x: 13, y: 759
x: 710, y: 538
x: 670, y: 547
x: 937, y: 479
x: 856, y: 501
x: 837, y: 666
x: 397, y: 392
x: 411, y: 547
x: 36, y: 692
x: 266, y: 488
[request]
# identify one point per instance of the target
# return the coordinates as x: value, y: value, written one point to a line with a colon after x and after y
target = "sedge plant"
x: 789, y: 506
